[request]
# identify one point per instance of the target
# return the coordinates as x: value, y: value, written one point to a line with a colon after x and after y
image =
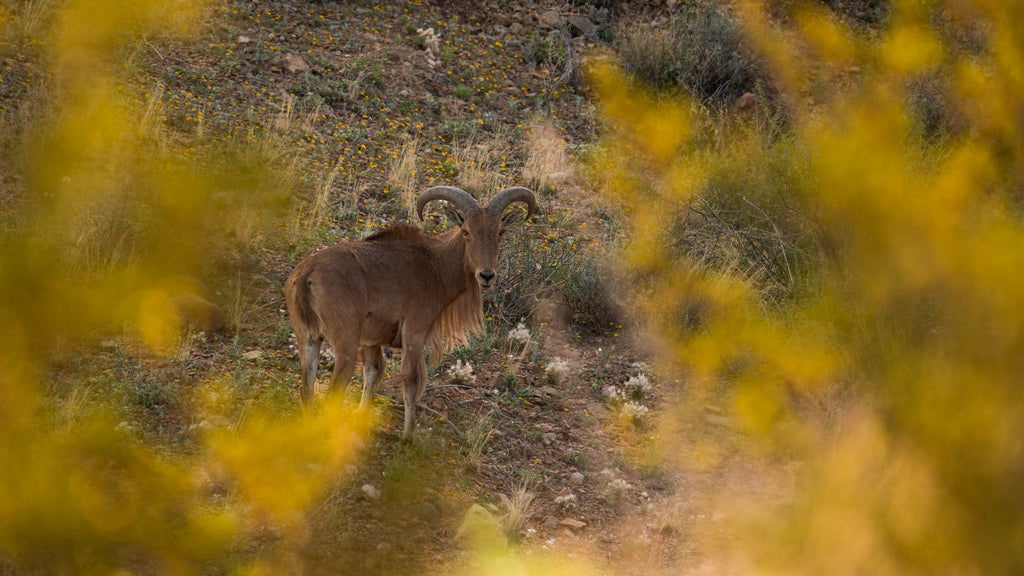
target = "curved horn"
x: 465, y: 203
x: 507, y: 196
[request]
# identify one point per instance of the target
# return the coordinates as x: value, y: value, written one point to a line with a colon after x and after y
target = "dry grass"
x: 32, y: 18
x: 474, y: 162
x: 548, y: 159
x: 72, y: 407
x: 403, y: 172
x: 516, y: 509
x: 477, y: 438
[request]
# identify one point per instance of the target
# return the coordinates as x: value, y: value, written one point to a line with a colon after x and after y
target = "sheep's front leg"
x: 414, y: 381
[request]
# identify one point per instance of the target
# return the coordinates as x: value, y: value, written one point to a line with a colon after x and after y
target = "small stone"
x: 550, y: 19
x: 253, y: 355
x: 516, y: 29
x: 108, y: 344
x: 560, y: 179
x: 548, y: 438
x: 243, y: 40
x: 571, y: 523
x: 746, y: 101
x: 720, y: 421
x: 294, y: 64
x: 577, y: 478
x: 371, y: 491
x: 551, y: 523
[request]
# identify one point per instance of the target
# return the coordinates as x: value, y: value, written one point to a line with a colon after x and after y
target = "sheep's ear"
x: 452, y: 214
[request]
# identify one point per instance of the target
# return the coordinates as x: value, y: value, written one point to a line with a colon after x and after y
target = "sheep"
x: 398, y: 288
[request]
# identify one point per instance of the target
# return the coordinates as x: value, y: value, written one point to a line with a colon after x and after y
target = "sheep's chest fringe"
x: 463, y: 317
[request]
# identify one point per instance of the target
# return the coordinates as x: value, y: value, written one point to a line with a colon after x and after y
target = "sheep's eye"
x: 465, y: 233
x: 501, y: 232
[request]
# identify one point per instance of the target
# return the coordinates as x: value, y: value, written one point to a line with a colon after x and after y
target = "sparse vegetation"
x: 699, y: 49
x: 810, y: 211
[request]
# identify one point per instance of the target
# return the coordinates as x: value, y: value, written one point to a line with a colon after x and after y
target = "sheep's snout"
x: 485, y: 278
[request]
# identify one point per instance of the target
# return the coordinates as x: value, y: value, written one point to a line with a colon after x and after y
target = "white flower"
x: 558, y: 369
x: 462, y: 373
x: 567, y: 501
x: 430, y: 39
x: 634, y: 411
x: 639, y: 384
x: 613, y: 393
x: 520, y: 333
x: 619, y: 485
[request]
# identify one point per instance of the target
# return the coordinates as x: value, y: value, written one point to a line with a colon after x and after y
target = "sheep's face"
x: 482, y: 232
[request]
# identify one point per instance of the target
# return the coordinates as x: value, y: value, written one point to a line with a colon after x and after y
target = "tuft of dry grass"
x: 72, y: 407
x: 516, y: 509
x: 477, y: 438
x: 474, y: 162
x: 548, y: 159
x: 402, y: 176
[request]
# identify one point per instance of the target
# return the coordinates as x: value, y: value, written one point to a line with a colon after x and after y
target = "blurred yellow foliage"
x: 109, y: 234
x: 915, y: 310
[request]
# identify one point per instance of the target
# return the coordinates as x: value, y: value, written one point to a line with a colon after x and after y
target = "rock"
x: 549, y: 438
x: 550, y: 523
x: 480, y: 527
x: 197, y: 313
x: 371, y: 491
x: 294, y: 64
x: 574, y: 524
x: 550, y: 19
x: 108, y: 344
x: 720, y: 421
x: 746, y: 101
x: 425, y: 511
x: 253, y: 355
x: 577, y: 478
x: 561, y: 179
x: 243, y: 40
x: 516, y: 29
x: 581, y: 26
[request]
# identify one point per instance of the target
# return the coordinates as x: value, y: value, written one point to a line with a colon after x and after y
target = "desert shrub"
x: 537, y: 263
x: 749, y: 217
x: 700, y: 50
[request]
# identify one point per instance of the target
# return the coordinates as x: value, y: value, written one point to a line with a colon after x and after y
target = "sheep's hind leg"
x: 344, y: 367
x: 373, y: 367
x: 309, y: 360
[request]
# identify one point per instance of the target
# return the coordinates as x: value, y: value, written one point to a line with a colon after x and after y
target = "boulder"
x: 581, y: 26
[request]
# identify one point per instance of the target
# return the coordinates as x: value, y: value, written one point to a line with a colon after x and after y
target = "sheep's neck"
x: 452, y: 263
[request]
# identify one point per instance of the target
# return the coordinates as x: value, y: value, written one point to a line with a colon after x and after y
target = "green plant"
x: 701, y: 50
x: 477, y: 437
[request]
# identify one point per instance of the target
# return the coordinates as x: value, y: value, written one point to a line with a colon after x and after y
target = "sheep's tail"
x: 301, y: 307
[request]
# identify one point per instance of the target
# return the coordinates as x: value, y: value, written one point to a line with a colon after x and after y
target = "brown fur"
x: 398, y: 287
x: 462, y: 318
